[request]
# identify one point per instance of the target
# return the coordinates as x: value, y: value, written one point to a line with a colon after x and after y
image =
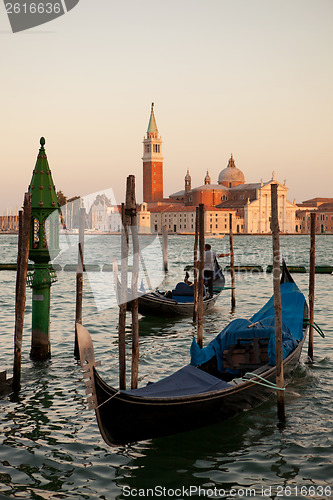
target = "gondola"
x: 176, y: 302
x: 236, y: 371
x: 171, y: 304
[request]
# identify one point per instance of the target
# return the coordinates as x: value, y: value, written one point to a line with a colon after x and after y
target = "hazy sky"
x: 248, y: 77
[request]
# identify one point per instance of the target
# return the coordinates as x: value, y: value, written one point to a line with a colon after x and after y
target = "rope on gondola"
x: 107, y: 400
x: 264, y: 383
x: 315, y: 327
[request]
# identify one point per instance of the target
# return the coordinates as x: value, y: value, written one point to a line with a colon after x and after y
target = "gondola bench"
x: 246, y: 354
x: 184, y: 292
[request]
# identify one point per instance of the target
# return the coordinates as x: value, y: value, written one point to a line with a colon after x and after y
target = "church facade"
x: 249, y: 203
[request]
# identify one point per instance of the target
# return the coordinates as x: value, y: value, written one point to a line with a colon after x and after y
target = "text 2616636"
x: 33, y: 8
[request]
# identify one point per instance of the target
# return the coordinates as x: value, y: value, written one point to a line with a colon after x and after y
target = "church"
x: 249, y: 203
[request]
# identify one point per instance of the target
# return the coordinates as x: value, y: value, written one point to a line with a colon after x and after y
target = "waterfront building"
x: 249, y: 202
x: 144, y: 219
x: 324, y: 215
x: 9, y: 221
x: 181, y: 219
x: 99, y: 216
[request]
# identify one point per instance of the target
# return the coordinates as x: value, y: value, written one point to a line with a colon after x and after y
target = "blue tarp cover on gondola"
x: 184, y: 292
x: 184, y: 382
x: 260, y: 325
x: 293, y: 302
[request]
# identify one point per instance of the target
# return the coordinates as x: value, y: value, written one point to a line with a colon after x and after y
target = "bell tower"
x: 152, y: 162
x: 187, y: 182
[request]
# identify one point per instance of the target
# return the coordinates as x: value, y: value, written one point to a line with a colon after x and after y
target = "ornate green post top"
x: 44, y: 246
x: 44, y: 237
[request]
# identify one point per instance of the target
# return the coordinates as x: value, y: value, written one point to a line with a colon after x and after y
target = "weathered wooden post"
x: 131, y: 209
x: 123, y: 298
x: 79, y: 277
x: 195, y: 265
x: 21, y: 280
x: 129, y: 218
x: 44, y: 246
x: 312, y: 283
x: 232, y: 264
x: 201, y: 272
x: 277, y: 304
x: 165, y: 248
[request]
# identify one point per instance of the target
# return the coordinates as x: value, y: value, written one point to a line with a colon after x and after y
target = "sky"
x: 249, y: 77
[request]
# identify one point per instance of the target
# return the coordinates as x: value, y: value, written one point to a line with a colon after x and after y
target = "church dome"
x: 231, y: 176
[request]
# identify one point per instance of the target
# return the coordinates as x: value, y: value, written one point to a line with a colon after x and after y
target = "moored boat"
x: 176, y: 302
x: 173, y: 303
x: 236, y: 371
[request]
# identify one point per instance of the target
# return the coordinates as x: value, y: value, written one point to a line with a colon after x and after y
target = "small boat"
x: 236, y: 371
x: 176, y: 302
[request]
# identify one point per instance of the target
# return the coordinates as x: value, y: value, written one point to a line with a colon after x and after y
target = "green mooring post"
x: 44, y: 246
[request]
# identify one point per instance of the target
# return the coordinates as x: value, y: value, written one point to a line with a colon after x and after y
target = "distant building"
x: 9, y: 222
x: 181, y: 219
x: 250, y: 203
x: 104, y: 217
x: 323, y: 207
x: 114, y: 217
x: 152, y: 162
x: 144, y: 217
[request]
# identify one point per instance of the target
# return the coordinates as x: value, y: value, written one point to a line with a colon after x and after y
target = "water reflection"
x: 207, y: 456
x: 50, y: 444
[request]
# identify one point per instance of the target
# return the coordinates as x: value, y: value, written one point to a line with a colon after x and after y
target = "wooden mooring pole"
x: 165, y: 248
x: 79, y: 277
x: 129, y: 219
x: 21, y: 280
x: 201, y: 213
x: 131, y: 206
x: 123, y: 298
x: 232, y: 264
x: 277, y: 304
x: 312, y: 283
x: 195, y: 265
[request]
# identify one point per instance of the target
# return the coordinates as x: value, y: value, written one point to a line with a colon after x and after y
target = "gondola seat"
x: 246, y: 354
x: 183, y: 290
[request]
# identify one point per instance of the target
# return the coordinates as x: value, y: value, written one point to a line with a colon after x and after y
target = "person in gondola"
x: 210, y: 257
x: 187, y: 279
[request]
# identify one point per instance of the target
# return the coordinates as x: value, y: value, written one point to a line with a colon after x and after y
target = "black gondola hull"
x: 152, y: 303
x: 123, y: 418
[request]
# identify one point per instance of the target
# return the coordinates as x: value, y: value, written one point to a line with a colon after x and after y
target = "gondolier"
x: 210, y: 257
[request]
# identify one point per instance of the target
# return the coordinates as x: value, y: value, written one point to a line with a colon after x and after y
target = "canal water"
x: 50, y: 445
